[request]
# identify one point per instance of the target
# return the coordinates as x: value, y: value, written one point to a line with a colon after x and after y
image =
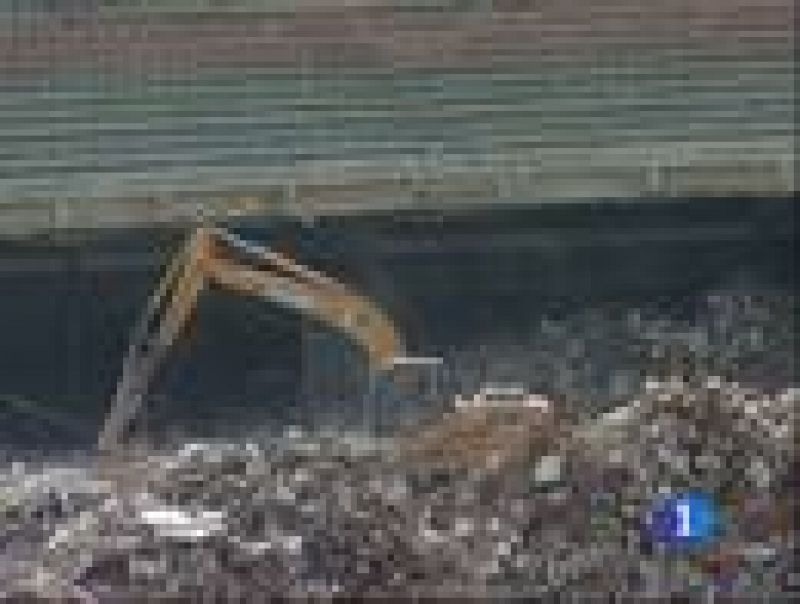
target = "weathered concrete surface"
x: 119, y: 117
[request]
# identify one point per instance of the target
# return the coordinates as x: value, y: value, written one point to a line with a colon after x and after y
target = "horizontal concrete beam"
x: 757, y: 168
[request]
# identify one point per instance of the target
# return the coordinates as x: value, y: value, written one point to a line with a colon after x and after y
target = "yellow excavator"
x: 488, y: 432
x: 215, y: 256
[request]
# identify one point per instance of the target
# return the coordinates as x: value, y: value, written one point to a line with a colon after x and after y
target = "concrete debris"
x: 324, y: 513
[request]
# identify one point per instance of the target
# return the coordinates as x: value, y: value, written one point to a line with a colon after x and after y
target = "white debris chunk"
x: 548, y: 469
x: 177, y: 523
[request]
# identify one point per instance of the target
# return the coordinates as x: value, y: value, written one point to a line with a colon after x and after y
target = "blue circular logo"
x: 692, y: 518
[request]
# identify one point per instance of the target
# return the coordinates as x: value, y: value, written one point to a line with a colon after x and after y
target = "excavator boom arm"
x: 219, y: 257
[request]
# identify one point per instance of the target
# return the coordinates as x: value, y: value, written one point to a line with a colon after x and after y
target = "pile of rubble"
x: 308, y: 513
x: 340, y: 514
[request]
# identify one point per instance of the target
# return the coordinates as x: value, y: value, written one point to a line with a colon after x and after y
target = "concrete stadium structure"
x: 121, y: 113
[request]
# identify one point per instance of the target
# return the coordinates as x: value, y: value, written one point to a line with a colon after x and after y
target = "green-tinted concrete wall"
x: 319, y: 109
